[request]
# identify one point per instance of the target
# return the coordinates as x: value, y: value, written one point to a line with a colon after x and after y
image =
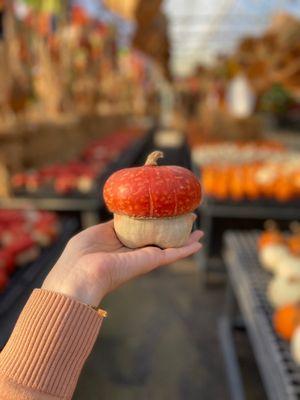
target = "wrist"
x: 75, y: 292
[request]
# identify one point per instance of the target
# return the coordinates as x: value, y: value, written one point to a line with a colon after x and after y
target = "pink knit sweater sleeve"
x: 49, y: 345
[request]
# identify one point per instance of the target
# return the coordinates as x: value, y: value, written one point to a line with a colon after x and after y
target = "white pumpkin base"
x: 162, y: 232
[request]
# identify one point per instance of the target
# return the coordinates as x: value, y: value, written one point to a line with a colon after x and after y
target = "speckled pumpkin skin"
x: 152, y: 191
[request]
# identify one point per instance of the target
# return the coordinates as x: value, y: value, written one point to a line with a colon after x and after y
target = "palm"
x: 96, y: 262
x: 100, y: 238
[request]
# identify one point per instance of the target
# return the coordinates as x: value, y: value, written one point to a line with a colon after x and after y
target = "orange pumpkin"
x: 294, y: 239
x: 208, y: 180
x: 221, y: 184
x: 286, y: 319
x: 294, y: 244
x: 271, y: 235
x: 236, y: 186
x: 252, y: 189
x: 284, y: 189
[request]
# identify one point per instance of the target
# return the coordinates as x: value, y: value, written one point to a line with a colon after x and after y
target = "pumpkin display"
x: 295, y: 345
x: 247, y: 171
x: 286, y: 319
x: 153, y: 204
x: 22, y: 235
x: 78, y: 175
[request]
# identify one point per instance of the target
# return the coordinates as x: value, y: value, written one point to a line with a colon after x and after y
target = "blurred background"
x: 88, y: 87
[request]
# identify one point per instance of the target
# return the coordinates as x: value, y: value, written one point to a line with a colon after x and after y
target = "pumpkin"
x: 220, y: 184
x: 294, y: 239
x: 286, y: 319
x: 272, y: 247
x: 208, y: 180
x: 283, y: 189
x: 271, y: 256
x: 289, y: 267
x: 236, y: 184
x: 295, y: 345
x: 271, y: 235
x: 252, y: 190
x: 294, y: 244
x: 282, y: 291
x: 153, y: 204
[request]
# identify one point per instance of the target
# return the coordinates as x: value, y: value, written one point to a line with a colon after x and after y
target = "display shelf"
x: 248, y: 282
x: 25, y: 279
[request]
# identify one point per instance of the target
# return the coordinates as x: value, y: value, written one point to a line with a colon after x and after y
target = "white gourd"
x: 272, y: 255
x: 282, y: 291
x: 289, y: 267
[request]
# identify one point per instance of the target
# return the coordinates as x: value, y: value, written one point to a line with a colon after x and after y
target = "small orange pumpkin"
x: 252, y: 189
x: 271, y: 235
x: 286, y: 319
x: 284, y: 189
x: 294, y: 239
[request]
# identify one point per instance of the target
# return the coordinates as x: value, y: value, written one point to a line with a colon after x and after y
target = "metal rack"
x: 247, y: 283
x: 25, y: 279
x: 234, y: 214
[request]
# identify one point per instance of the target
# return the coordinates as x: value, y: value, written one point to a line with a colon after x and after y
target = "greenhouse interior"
x: 150, y: 199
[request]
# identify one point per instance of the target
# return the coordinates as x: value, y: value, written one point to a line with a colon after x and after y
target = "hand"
x: 95, y: 262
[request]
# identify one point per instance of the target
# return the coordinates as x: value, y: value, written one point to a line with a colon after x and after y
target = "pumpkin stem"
x: 270, y: 225
x: 153, y: 157
x: 295, y: 227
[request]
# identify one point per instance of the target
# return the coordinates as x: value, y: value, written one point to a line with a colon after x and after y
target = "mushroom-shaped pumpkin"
x: 153, y: 204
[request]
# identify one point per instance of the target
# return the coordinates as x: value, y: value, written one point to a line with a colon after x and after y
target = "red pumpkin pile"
x: 22, y: 234
x: 77, y: 175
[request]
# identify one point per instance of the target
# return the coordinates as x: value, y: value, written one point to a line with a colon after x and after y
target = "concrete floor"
x: 161, y: 342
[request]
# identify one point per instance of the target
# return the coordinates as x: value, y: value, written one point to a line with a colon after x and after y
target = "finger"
x: 144, y: 260
x: 175, y: 254
x: 194, y: 237
x: 137, y: 262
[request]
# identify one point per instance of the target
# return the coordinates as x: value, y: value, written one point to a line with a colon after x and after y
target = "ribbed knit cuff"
x: 51, y: 341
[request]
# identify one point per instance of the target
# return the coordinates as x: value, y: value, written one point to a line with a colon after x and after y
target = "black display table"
x: 247, y: 283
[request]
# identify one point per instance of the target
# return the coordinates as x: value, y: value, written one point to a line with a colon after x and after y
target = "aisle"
x: 158, y: 342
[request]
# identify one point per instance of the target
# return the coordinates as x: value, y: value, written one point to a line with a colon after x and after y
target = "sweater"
x: 48, y: 347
